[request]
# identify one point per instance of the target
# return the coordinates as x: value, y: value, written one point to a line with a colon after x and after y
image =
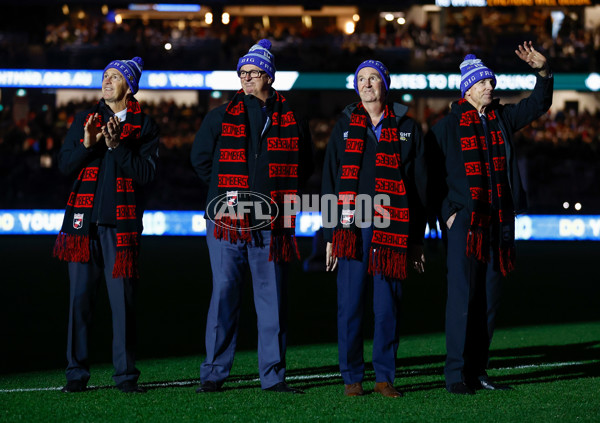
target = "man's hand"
x: 450, y: 220
x: 112, y: 132
x: 533, y: 58
x: 330, y: 260
x: 91, y: 133
x: 416, y: 258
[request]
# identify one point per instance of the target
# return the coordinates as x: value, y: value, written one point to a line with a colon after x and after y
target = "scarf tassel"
x: 232, y: 230
x: 283, y: 248
x: 344, y: 244
x: 389, y: 262
x: 475, y: 245
x: 126, y: 264
x: 507, y: 260
x: 70, y: 247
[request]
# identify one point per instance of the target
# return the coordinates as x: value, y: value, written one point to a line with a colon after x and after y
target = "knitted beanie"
x: 473, y: 70
x: 261, y: 56
x: 379, y: 67
x: 131, y: 71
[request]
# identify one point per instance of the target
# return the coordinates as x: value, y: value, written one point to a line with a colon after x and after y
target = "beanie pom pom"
x: 265, y: 44
x: 139, y: 61
x: 470, y: 57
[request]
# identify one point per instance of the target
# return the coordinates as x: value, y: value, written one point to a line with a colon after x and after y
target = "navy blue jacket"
x: 207, y: 146
x: 412, y: 152
x: 136, y: 158
x: 449, y: 187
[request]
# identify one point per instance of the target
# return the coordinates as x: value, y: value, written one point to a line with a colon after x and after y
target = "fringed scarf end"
x: 283, y: 248
x: 70, y: 247
x: 126, y: 264
x: 233, y: 230
x: 344, y: 244
x: 508, y: 260
x: 389, y: 262
x: 477, y: 246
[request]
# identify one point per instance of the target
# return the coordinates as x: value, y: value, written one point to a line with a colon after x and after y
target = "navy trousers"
x: 84, y: 279
x: 229, y: 262
x: 352, y: 283
x: 474, y: 290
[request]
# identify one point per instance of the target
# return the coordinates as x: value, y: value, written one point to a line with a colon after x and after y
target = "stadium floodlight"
x: 577, y: 206
x: 566, y: 205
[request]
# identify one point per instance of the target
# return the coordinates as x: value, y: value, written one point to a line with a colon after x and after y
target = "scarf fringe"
x: 126, y: 264
x: 233, y: 230
x: 71, y: 247
x: 389, y: 262
x: 344, y: 244
x: 477, y: 246
x: 283, y: 248
x: 508, y: 260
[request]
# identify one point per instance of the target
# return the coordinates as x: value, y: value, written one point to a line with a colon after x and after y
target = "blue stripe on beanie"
x: 472, y: 70
x: 131, y: 71
x: 260, y: 55
x: 379, y: 67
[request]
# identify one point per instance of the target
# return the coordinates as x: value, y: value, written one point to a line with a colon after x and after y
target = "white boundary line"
x: 193, y: 382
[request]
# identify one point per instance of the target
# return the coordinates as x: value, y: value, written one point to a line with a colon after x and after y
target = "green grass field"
x: 555, y: 372
x: 546, y: 345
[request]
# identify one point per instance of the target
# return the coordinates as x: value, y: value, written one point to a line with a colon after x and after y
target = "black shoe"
x: 460, y: 388
x: 284, y: 387
x: 208, y: 386
x: 74, y: 386
x: 483, y: 382
x: 130, y: 387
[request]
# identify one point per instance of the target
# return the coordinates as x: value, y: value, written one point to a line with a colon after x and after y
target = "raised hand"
x: 91, y: 132
x: 533, y: 58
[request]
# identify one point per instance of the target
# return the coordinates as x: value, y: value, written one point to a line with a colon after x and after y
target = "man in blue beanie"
x: 251, y: 153
x: 112, y: 151
x: 479, y: 191
x: 375, y: 150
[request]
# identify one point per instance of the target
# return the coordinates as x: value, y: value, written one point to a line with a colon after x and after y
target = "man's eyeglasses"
x: 253, y: 73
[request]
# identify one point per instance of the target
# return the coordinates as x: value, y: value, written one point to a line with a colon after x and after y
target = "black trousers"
x: 84, y: 280
x: 474, y: 290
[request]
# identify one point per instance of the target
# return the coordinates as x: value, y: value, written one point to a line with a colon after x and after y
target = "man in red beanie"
x: 111, y: 150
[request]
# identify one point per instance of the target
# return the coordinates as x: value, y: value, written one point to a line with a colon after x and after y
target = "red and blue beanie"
x: 131, y: 71
x: 379, y: 67
x: 472, y: 70
x: 260, y: 55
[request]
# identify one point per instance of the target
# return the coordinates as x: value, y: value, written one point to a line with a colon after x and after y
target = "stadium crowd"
x: 87, y: 41
x: 559, y: 153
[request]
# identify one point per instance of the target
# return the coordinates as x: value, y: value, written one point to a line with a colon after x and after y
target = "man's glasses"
x: 253, y: 73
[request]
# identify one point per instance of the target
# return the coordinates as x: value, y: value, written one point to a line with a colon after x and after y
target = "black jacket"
x: 412, y: 151
x: 207, y: 146
x: 449, y: 188
x: 136, y: 157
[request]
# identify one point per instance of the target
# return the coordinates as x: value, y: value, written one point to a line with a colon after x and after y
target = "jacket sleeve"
x: 417, y: 190
x: 140, y: 163
x: 529, y: 109
x: 73, y: 155
x: 331, y: 166
x: 205, y: 143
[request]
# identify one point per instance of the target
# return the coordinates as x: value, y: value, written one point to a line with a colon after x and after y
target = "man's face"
x: 114, y: 86
x: 258, y: 86
x: 481, y: 94
x: 370, y: 86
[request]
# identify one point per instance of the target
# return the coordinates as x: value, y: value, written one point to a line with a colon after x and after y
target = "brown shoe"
x: 387, y: 390
x: 354, y: 390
